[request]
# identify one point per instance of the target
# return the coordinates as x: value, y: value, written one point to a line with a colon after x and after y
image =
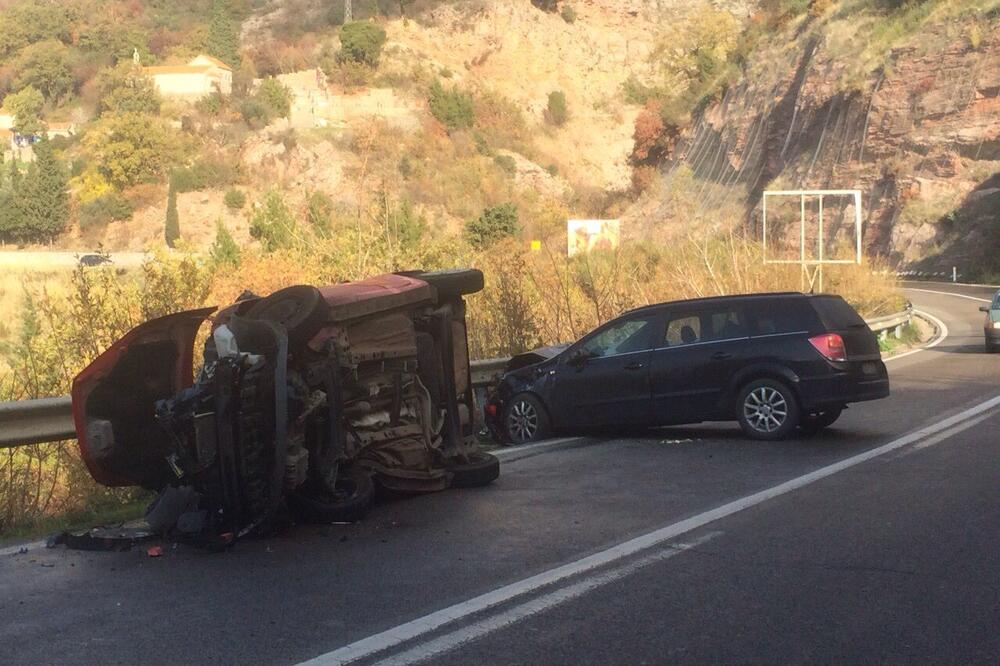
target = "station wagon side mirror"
x: 984, y: 308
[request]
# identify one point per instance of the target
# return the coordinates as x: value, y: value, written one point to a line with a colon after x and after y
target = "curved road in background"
x: 875, y: 541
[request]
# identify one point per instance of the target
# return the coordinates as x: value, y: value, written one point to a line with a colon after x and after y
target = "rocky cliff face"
x: 919, y: 136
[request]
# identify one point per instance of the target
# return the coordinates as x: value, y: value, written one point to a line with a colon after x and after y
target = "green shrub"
x: 361, y: 41
x: 210, y: 105
x: 255, y: 113
x: 556, y: 112
x: 273, y: 224
x: 568, y: 14
x: 493, y: 224
x: 546, y: 5
x: 235, y: 199
x: 103, y: 210
x: 452, y: 107
x: 224, y: 251
x: 506, y: 163
x: 275, y: 96
x: 320, y: 213
x: 203, y: 174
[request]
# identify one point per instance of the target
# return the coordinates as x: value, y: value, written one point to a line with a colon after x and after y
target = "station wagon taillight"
x: 830, y: 345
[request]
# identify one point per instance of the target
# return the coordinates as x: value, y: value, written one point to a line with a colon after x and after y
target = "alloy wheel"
x: 522, y: 421
x: 765, y: 409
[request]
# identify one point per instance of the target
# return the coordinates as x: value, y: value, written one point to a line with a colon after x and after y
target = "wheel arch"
x: 773, y: 371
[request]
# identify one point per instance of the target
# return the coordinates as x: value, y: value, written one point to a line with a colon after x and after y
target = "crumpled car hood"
x: 536, y: 356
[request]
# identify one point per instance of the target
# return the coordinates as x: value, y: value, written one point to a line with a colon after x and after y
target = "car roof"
x: 708, y: 300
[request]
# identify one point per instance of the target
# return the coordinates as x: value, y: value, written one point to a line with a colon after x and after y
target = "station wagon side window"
x: 623, y: 337
x: 777, y: 317
x: 706, y: 325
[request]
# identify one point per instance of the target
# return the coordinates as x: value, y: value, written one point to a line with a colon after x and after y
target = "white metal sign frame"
x: 812, y: 269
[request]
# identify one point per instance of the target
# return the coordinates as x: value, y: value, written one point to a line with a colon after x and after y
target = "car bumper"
x: 844, y: 388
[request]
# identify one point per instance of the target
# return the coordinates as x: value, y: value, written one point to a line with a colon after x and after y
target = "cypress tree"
x: 44, y: 195
x: 172, y: 228
x: 223, y: 34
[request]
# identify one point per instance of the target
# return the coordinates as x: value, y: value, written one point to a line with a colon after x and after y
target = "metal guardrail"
x: 36, y: 421
x: 51, y: 419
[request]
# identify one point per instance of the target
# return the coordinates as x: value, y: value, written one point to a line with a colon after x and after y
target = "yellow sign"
x: 536, y: 245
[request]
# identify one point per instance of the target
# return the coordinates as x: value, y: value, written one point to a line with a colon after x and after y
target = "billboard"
x: 587, y: 235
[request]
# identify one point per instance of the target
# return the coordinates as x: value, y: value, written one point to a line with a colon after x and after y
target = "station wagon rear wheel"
x: 767, y: 410
x: 525, y: 419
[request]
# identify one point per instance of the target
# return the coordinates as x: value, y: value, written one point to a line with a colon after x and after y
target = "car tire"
x: 525, y: 419
x: 990, y: 348
x: 355, y: 491
x: 481, y: 470
x: 301, y: 309
x: 810, y: 424
x: 454, y: 282
x: 767, y: 410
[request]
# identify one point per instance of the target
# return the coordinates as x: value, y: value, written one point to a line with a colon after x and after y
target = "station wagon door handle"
x: 634, y: 366
x: 721, y: 356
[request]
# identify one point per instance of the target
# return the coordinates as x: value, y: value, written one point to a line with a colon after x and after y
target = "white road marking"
x: 941, y: 436
x: 20, y: 548
x: 942, y: 334
x: 948, y: 293
x: 418, y: 627
x: 470, y: 632
x: 507, y: 453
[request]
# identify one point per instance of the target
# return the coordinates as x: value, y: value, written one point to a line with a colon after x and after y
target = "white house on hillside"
x: 201, y: 76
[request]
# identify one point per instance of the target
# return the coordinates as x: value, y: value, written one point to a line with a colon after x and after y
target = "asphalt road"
x: 878, y: 540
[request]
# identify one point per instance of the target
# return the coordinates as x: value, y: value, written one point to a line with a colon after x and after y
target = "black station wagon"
x: 772, y: 362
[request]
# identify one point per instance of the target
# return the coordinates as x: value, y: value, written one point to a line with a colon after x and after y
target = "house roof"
x: 214, y: 61
x: 177, y: 69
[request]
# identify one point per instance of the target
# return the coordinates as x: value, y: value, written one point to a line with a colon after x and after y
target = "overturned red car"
x: 308, y: 399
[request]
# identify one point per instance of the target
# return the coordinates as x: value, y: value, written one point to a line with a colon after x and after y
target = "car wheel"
x: 349, y: 502
x: 481, y: 470
x: 813, y: 423
x: 453, y: 282
x: 767, y: 410
x: 525, y: 419
x: 301, y: 309
x: 990, y: 348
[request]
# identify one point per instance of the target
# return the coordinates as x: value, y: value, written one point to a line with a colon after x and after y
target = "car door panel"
x: 692, y: 367
x: 604, y: 379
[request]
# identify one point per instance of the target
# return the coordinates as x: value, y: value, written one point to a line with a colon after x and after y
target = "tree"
x: 556, y: 112
x: 44, y: 195
x: 273, y: 224
x: 130, y: 148
x: 223, y: 40
x: 125, y: 89
x: 453, y: 108
x: 172, y: 224
x: 492, y: 224
x: 26, y: 107
x: 45, y: 66
x: 275, y: 96
x: 361, y: 42
x: 225, y: 251
x: 30, y: 22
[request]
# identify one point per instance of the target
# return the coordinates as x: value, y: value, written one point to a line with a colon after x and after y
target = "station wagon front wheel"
x: 525, y: 419
x: 767, y: 410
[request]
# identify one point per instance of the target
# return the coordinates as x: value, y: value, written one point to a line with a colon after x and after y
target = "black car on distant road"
x: 772, y: 362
